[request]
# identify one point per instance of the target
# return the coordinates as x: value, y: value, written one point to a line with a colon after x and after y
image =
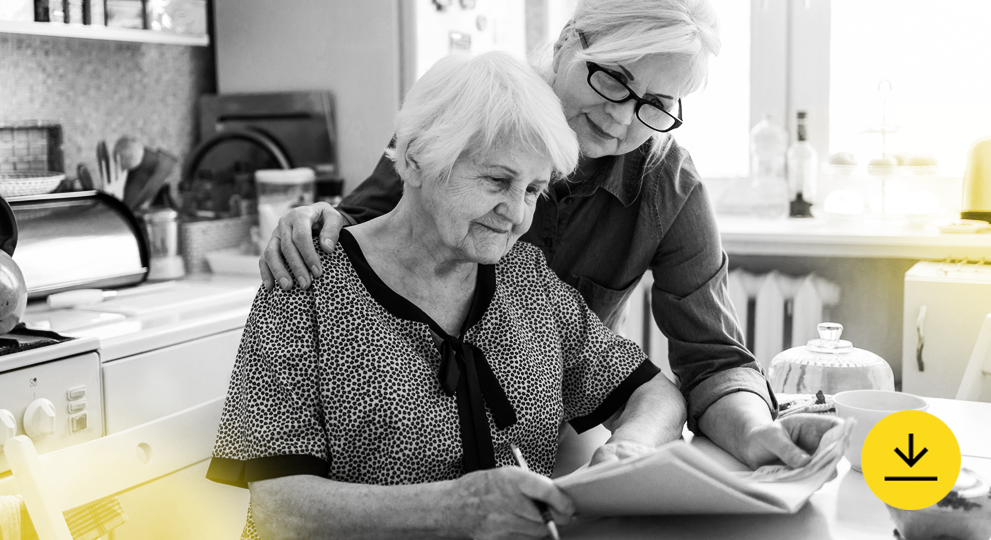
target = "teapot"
x: 13, y: 293
x: 829, y: 364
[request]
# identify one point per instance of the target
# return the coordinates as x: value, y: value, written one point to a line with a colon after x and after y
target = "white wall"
x: 350, y: 47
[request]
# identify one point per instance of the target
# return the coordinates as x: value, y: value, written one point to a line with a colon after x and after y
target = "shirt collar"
x: 620, y: 176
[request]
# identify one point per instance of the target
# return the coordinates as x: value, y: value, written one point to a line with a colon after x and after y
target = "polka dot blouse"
x: 350, y: 381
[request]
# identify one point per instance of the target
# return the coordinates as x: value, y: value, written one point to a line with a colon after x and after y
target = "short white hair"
x: 467, y: 103
x: 624, y: 31
x: 621, y: 31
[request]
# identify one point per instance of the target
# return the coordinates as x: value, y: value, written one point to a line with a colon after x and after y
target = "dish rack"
x: 21, y: 184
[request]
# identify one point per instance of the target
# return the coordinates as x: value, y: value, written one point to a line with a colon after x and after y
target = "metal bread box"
x: 68, y: 241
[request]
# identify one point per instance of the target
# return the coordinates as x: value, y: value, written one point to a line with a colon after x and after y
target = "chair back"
x: 65, y: 479
x: 979, y: 367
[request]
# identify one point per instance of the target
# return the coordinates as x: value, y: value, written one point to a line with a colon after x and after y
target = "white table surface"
x: 844, y: 508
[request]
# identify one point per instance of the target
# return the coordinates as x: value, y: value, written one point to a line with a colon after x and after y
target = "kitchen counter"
x: 813, y: 237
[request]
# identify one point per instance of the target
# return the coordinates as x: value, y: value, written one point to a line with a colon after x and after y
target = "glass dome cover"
x: 829, y: 364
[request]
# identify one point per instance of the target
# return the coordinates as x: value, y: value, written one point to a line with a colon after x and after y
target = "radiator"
x: 776, y: 312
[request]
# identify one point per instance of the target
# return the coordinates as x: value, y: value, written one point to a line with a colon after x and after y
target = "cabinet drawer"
x: 147, y: 386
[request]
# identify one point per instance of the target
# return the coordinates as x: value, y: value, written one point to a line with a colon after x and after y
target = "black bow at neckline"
x: 464, y: 372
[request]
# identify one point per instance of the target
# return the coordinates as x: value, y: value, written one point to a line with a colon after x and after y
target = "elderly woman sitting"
x: 382, y: 401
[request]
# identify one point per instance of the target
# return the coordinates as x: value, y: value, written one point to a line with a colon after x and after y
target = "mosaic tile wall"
x: 103, y: 90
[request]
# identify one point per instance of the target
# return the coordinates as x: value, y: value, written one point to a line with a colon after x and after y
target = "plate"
x: 23, y: 184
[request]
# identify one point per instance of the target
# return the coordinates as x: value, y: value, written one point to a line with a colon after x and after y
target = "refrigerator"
x: 945, y: 306
x: 366, y: 52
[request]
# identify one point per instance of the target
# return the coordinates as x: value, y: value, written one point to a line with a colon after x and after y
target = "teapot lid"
x: 829, y: 340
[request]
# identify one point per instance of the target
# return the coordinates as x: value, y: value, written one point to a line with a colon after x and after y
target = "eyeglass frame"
x: 592, y: 68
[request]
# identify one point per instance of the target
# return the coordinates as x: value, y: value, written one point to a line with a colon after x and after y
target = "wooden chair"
x: 979, y: 366
x: 67, y: 479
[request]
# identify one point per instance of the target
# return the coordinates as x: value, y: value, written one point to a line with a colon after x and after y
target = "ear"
x: 566, y: 33
x: 414, y: 175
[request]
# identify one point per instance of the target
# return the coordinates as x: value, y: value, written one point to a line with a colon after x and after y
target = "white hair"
x: 624, y: 31
x: 467, y: 103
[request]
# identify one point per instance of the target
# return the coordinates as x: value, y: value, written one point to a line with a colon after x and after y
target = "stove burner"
x: 22, y: 338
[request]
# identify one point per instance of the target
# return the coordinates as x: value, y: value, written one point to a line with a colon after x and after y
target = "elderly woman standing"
x: 635, y: 204
x: 383, y: 400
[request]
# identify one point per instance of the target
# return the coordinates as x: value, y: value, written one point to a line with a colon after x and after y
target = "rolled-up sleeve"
x: 691, y: 306
x: 273, y: 421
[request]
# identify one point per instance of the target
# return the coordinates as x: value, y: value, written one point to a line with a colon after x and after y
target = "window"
x: 935, y: 56
x: 717, y: 117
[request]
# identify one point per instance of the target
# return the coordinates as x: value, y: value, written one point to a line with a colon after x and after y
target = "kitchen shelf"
x: 813, y: 237
x: 100, y: 32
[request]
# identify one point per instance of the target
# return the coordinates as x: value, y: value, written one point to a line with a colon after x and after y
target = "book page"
x: 683, y: 478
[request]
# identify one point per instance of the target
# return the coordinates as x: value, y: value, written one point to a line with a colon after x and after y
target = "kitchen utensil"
x: 162, y: 231
x: 829, y: 364
x: 85, y: 178
x: 103, y: 163
x: 977, y: 182
x: 144, y: 182
x: 116, y: 178
x: 22, y: 184
x: 80, y: 297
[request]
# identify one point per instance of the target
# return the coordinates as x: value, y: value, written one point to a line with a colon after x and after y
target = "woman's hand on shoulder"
x: 499, y: 503
x: 292, y: 243
x: 791, y: 440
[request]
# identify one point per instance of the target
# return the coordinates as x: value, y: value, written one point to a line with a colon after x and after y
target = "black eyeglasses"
x: 606, y: 83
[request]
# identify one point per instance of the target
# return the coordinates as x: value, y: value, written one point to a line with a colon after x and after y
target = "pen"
x: 544, y: 511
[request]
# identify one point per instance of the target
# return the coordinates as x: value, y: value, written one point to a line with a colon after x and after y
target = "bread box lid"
x: 67, y: 241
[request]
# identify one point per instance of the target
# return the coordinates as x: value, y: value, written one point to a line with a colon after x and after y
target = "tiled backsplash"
x: 105, y: 89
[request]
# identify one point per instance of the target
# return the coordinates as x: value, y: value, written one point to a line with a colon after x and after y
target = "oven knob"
x: 8, y: 426
x: 39, y: 419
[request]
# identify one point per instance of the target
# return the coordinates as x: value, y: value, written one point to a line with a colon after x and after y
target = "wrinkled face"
x: 605, y: 128
x: 487, y: 203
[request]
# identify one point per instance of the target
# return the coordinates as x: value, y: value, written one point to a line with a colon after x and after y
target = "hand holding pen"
x: 545, y: 512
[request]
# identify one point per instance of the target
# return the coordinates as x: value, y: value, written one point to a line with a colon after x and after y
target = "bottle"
x: 803, y: 164
x: 769, y: 187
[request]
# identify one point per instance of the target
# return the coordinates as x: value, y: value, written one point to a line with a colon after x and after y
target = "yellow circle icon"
x: 910, y: 460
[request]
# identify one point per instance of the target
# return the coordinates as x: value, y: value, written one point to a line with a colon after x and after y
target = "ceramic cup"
x: 868, y: 407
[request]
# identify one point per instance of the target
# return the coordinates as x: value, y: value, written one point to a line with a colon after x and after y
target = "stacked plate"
x: 22, y: 184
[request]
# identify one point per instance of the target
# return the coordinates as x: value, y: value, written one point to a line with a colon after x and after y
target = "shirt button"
x: 548, y: 242
x: 569, y: 201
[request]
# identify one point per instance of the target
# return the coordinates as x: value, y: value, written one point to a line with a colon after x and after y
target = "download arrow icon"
x: 912, y: 459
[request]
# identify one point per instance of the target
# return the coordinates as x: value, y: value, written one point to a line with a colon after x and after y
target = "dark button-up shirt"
x: 600, y: 235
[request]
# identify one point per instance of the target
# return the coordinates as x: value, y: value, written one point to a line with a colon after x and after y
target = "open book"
x: 700, y: 478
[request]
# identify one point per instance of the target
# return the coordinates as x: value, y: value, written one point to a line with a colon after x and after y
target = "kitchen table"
x: 844, y: 508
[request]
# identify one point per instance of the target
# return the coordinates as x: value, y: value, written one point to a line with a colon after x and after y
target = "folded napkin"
x: 10, y: 517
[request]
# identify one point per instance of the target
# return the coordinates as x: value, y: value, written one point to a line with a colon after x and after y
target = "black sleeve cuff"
x: 617, y: 398
x: 238, y: 473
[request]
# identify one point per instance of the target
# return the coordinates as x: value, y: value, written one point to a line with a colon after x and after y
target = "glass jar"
x: 829, y: 364
x: 279, y: 191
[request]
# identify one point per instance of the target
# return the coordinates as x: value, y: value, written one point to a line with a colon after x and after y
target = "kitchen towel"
x: 10, y: 517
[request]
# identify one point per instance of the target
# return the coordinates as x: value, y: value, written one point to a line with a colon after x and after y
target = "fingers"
x: 333, y: 222
x: 540, y: 488
x: 806, y: 430
x: 778, y: 442
x: 272, y: 263
x: 268, y: 280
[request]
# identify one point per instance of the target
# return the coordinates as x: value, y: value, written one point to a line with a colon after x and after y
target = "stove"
x: 49, y: 389
x: 81, y: 373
